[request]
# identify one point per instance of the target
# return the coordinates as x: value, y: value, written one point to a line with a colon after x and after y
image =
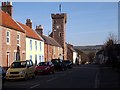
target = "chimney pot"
x: 7, y: 7
x: 29, y: 23
x: 39, y: 29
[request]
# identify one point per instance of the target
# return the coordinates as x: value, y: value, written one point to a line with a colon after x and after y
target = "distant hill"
x: 87, y: 49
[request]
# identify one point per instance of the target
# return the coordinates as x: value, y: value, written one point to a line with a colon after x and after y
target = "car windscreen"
x: 56, y: 62
x: 66, y: 61
x: 42, y: 64
x: 18, y: 64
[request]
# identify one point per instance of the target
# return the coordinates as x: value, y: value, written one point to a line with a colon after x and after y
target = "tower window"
x: 55, y: 21
x: 60, y: 34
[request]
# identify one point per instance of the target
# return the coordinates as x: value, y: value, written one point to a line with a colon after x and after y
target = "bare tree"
x: 112, y: 39
x: 109, y: 47
x: 91, y: 56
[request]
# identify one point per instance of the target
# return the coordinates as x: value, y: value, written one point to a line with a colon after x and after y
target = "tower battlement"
x: 59, y: 16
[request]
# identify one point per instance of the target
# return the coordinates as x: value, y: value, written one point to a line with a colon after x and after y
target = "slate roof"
x: 71, y: 48
x: 49, y: 40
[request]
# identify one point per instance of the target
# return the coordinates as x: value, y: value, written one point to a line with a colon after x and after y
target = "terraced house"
x: 34, y: 43
x: 13, y: 37
x: 52, y: 49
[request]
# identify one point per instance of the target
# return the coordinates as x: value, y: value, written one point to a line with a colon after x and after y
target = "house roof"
x: 7, y: 21
x: 50, y: 41
x: 71, y: 48
x: 29, y: 32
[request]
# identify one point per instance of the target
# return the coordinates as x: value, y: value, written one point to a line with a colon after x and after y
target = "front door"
x: 8, y: 59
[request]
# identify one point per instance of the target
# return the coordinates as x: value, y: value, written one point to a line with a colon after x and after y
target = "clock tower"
x: 59, y: 30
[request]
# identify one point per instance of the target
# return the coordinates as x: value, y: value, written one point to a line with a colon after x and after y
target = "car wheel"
x: 53, y: 72
x: 26, y: 77
x: 33, y: 76
x: 63, y: 69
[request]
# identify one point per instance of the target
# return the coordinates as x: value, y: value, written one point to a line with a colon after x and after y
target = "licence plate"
x: 40, y: 71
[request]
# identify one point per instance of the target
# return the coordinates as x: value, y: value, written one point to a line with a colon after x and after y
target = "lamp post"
x: 48, y: 44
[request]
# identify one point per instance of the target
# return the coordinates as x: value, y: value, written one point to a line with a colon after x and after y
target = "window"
x: 60, y: 34
x: 18, y: 39
x: 42, y: 58
x: 36, y: 45
x: 30, y: 57
x: 54, y: 50
x: 40, y: 46
x: 30, y: 44
x: 39, y: 58
x: 58, y: 49
x: 8, y: 37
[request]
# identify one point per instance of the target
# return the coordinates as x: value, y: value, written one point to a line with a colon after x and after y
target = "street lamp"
x: 48, y: 44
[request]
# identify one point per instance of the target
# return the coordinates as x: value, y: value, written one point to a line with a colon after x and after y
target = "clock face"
x: 57, y: 26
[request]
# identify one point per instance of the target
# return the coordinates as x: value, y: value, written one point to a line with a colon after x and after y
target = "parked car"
x: 45, y: 68
x: 2, y: 74
x: 58, y: 64
x: 68, y: 63
x: 21, y: 70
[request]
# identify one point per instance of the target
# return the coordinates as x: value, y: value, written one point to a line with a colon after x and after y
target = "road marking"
x: 51, y: 79
x: 85, y: 67
x: 34, y: 86
x: 97, y: 80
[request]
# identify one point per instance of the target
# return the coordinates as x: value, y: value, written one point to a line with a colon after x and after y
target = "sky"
x: 88, y: 23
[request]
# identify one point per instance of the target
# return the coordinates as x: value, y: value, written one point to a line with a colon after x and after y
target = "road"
x: 83, y: 76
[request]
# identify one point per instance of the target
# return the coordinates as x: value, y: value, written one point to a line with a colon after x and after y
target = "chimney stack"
x: 39, y: 29
x: 29, y: 23
x: 7, y: 7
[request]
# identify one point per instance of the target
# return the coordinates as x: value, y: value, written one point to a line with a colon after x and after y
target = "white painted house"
x: 34, y: 44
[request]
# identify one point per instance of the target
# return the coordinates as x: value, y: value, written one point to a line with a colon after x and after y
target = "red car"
x: 44, y: 68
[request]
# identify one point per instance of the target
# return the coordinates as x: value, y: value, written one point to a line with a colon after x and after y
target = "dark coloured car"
x: 2, y: 74
x: 58, y: 64
x: 68, y: 63
x: 44, y: 68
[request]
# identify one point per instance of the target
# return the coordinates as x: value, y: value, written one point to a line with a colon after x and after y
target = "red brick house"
x: 12, y: 37
x: 52, y: 50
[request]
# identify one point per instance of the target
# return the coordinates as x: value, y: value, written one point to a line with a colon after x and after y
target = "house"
x: 52, y: 50
x: 34, y: 43
x: 71, y: 53
x: 12, y: 37
x: 83, y: 57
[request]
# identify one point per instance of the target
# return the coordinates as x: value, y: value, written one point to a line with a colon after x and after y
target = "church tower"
x: 59, y: 30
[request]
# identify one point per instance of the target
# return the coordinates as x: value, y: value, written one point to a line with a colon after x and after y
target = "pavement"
x: 109, y: 77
